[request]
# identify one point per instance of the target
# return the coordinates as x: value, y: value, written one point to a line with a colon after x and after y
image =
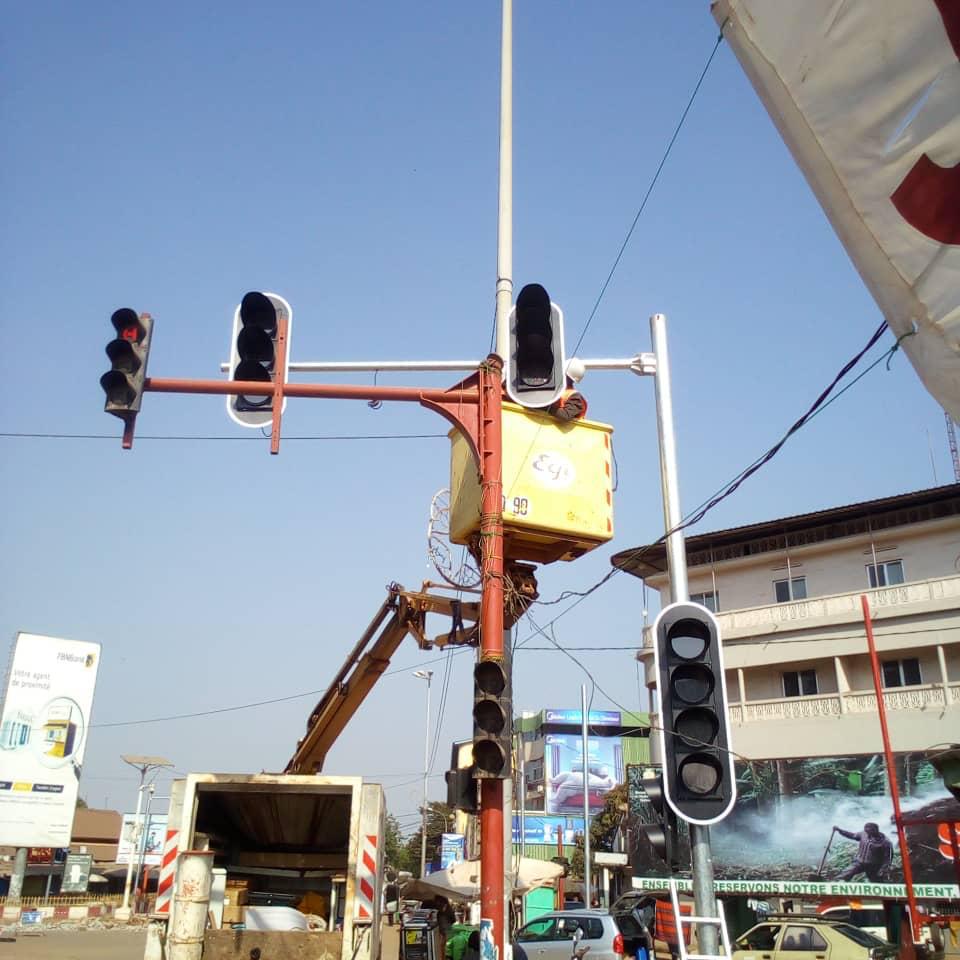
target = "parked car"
x: 798, y: 936
x: 867, y: 916
x: 551, y: 936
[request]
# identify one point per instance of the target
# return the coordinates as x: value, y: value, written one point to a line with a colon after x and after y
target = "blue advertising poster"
x: 538, y: 828
x: 595, y: 718
x: 451, y: 849
x: 564, y: 771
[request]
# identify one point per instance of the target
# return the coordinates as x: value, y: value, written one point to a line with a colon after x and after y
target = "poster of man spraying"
x: 874, y: 854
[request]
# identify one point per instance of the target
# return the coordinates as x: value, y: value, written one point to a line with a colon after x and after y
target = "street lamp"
x: 428, y: 676
x: 143, y: 764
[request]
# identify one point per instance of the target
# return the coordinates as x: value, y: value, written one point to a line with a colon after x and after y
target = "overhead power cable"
x: 646, y: 196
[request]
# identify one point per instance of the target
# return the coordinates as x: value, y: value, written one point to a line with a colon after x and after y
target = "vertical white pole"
x: 705, y: 902
x: 504, y: 294
x: 426, y: 775
x: 125, y: 907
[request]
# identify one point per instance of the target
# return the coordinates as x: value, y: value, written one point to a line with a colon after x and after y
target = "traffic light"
x: 662, y: 834
x: 461, y: 781
x: 698, y: 775
x: 253, y: 353
x: 534, y: 369
x: 123, y: 383
x: 492, y: 719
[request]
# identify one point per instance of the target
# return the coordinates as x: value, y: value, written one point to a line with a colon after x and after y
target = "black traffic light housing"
x: 698, y: 775
x: 662, y: 835
x: 128, y: 352
x: 462, y: 787
x: 534, y: 369
x: 492, y: 719
x: 254, y: 353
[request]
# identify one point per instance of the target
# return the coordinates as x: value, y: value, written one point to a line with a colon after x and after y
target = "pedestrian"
x: 874, y: 855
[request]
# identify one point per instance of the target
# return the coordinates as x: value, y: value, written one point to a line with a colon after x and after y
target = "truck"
x: 308, y: 848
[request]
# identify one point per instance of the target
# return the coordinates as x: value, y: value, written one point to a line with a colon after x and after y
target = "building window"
x: 787, y: 590
x: 901, y: 673
x: 800, y: 683
x: 710, y: 599
x: 887, y: 573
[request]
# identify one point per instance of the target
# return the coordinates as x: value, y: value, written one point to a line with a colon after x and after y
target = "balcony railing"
x: 927, y: 697
x: 841, y: 607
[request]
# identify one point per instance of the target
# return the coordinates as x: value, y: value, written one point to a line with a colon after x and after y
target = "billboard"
x: 825, y: 824
x: 595, y: 718
x: 564, y: 766
x: 538, y: 828
x: 132, y: 839
x: 43, y: 735
x: 451, y: 849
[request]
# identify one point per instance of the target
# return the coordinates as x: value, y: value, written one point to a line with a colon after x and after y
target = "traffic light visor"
x: 123, y: 357
x: 700, y: 774
x: 117, y: 388
x: 697, y: 727
x: 692, y: 683
x: 688, y: 639
x: 256, y: 310
x: 535, y: 360
x: 488, y: 715
x: 127, y: 324
x: 490, y: 678
x: 489, y: 756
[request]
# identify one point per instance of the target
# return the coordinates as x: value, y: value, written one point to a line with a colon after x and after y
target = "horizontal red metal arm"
x: 329, y: 391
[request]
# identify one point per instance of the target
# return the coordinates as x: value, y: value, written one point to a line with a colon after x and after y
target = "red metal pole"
x: 255, y: 388
x: 278, y: 383
x: 891, y: 770
x: 491, y: 631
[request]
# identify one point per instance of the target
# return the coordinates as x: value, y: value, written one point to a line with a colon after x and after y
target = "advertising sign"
x: 595, y: 718
x: 76, y: 873
x: 43, y: 735
x: 538, y: 828
x: 131, y: 839
x: 825, y: 824
x: 865, y: 97
x: 564, y: 771
x: 451, y: 849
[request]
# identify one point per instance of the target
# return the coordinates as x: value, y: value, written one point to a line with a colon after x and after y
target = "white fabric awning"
x: 461, y: 881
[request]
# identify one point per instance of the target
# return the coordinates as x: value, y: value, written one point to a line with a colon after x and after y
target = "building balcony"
x: 906, y: 599
x: 931, y: 696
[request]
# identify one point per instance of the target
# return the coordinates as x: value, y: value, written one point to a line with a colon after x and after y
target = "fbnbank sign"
x: 43, y: 733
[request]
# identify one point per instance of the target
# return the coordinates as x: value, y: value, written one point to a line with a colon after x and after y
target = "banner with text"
x: 43, y: 735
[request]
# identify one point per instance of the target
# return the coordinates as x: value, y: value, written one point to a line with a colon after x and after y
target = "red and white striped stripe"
x: 168, y: 871
x: 366, y: 879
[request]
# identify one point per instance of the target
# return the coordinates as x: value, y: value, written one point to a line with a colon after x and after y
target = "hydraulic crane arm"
x: 401, y: 613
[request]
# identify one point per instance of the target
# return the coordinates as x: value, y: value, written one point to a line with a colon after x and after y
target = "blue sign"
x: 595, y: 718
x: 538, y: 828
x: 451, y: 849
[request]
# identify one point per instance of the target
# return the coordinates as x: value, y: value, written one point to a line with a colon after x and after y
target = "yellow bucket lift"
x: 557, y: 486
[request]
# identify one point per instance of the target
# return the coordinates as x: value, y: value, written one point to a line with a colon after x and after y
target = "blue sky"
x: 169, y: 159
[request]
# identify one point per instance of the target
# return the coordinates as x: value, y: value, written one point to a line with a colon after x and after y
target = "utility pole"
x: 705, y: 902
x: 428, y: 676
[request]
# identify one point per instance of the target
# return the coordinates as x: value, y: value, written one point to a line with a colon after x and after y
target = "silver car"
x: 551, y: 936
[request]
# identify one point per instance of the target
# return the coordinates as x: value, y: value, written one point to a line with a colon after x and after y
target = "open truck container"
x: 280, y: 839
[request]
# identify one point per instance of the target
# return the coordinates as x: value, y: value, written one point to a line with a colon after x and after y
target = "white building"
x: 787, y: 595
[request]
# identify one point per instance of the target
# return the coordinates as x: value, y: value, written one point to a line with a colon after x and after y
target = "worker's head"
x: 871, y: 829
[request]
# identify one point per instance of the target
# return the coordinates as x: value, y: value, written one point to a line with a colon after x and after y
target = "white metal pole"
x: 505, y: 210
x: 144, y: 836
x: 425, y: 675
x: 705, y: 902
x: 133, y: 850
x: 586, y: 796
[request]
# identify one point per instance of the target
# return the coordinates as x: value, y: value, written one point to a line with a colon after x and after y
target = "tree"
x: 394, y: 846
x: 439, y: 821
x: 603, y: 827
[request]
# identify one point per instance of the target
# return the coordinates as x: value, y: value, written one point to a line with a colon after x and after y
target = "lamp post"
x: 143, y: 764
x: 428, y: 676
